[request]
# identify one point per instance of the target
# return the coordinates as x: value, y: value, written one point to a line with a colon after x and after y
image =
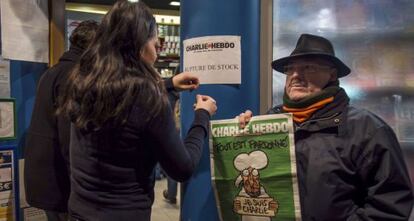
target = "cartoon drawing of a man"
x: 252, y: 202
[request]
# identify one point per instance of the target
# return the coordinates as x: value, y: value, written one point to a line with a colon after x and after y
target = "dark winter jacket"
x: 46, y: 152
x: 350, y: 166
x: 113, y: 168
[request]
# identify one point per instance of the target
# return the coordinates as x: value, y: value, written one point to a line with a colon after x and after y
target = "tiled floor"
x: 161, y: 210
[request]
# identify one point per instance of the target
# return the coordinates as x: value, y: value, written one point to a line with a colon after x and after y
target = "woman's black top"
x: 112, y: 169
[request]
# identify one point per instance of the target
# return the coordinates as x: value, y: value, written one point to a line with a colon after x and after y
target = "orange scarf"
x: 302, y: 114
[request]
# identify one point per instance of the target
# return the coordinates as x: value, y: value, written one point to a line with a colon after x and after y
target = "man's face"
x: 251, y: 181
x: 306, y: 76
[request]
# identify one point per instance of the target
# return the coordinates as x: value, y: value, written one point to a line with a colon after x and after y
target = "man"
x: 170, y: 194
x: 46, y: 152
x: 349, y: 162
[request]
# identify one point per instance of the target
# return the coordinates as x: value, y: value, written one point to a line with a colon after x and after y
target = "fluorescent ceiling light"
x: 87, y: 8
x: 174, y: 3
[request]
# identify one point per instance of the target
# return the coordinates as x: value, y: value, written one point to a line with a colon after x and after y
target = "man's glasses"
x: 305, y: 68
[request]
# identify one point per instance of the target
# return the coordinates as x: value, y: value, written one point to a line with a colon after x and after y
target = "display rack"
x: 169, y: 50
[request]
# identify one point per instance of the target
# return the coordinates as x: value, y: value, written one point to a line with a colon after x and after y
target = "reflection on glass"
x: 375, y: 38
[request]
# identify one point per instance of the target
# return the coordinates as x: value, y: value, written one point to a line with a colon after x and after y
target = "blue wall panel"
x: 218, y: 17
x: 24, y: 77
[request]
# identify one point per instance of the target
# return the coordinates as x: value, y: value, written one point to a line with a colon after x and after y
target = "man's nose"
x: 295, y: 74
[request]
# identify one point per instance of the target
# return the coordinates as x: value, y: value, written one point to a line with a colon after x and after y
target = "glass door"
x: 375, y: 38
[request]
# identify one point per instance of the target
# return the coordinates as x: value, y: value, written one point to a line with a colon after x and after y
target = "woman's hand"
x: 185, y: 81
x: 207, y: 103
x: 244, y: 118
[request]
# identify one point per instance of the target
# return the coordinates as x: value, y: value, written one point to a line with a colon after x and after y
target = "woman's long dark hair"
x: 111, y: 75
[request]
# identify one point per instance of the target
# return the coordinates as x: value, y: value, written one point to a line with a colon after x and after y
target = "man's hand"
x: 185, y: 81
x: 244, y: 118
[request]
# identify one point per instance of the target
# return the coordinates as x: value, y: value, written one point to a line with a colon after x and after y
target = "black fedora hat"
x: 313, y: 46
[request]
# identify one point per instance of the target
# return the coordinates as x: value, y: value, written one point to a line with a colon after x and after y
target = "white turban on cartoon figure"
x: 249, y: 178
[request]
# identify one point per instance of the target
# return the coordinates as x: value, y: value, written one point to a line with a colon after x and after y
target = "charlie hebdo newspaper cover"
x: 254, y: 169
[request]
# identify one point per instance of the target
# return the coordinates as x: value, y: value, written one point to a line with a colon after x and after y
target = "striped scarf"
x: 302, y: 110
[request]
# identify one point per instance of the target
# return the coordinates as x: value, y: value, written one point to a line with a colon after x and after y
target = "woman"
x: 122, y: 123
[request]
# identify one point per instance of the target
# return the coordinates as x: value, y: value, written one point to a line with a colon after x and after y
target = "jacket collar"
x: 333, y: 115
x: 73, y: 54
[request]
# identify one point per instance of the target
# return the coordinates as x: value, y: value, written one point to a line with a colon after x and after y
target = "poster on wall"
x: 7, y: 119
x: 254, y: 169
x: 4, y: 78
x: 214, y: 59
x: 6, y: 186
x: 25, y: 30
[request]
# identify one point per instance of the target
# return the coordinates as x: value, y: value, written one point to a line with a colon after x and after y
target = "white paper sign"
x: 6, y: 119
x: 4, y: 78
x: 25, y: 30
x: 6, y: 186
x: 214, y: 59
x: 22, y: 195
x: 34, y: 214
